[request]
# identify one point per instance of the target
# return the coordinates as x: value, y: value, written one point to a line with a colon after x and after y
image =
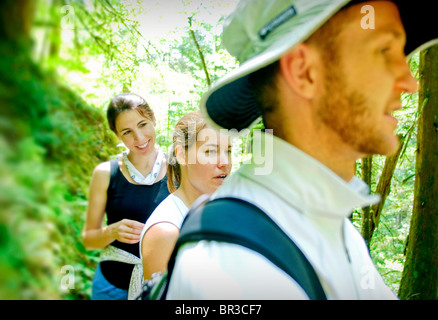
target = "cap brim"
x: 230, y: 102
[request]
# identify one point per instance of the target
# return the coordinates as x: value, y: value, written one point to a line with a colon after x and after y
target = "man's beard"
x: 347, y: 112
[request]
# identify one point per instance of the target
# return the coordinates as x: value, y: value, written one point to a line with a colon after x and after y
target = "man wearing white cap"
x: 326, y: 77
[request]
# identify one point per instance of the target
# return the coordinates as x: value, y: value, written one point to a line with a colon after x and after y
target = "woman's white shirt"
x: 171, y: 210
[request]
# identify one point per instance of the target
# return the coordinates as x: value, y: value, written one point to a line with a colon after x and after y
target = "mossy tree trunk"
x: 16, y: 18
x: 50, y: 141
x: 420, y: 274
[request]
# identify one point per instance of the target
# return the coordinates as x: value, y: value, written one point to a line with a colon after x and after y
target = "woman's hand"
x: 127, y: 231
x: 94, y: 235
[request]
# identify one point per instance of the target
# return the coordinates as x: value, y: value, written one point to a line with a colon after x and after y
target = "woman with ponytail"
x: 198, y: 163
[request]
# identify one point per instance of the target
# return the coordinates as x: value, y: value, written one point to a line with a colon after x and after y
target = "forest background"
x: 62, y: 61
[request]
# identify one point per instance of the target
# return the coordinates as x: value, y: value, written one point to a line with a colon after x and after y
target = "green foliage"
x: 50, y: 141
x: 53, y: 131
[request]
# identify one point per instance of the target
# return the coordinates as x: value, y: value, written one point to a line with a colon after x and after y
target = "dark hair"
x: 125, y: 102
x: 264, y: 86
x: 185, y: 135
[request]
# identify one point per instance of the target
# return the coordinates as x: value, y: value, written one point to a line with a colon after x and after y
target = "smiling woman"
x: 127, y: 189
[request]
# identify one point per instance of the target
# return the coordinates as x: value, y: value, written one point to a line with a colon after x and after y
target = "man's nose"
x: 406, y: 83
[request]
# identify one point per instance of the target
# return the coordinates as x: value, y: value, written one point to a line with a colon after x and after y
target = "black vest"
x: 128, y: 201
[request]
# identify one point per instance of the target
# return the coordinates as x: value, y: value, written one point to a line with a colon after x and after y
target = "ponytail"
x: 173, y: 171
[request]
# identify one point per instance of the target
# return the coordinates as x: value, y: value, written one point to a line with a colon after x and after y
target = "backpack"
x: 217, y: 220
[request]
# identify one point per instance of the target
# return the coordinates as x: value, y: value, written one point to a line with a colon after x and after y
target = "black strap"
x: 237, y: 221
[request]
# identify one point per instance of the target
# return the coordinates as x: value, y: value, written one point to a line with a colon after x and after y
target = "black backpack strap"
x: 237, y: 221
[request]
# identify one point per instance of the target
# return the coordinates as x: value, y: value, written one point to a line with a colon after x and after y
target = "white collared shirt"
x: 312, y: 205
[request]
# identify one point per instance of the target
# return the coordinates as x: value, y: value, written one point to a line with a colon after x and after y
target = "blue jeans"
x: 103, y: 290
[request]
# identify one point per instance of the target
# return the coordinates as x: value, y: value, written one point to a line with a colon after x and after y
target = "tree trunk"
x: 371, y: 215
x: 55, y: 33
x: 367, y: 221
x: 420, y: 273
x: 384, y: 186
x: 16, y: 17
x: 201, y: 55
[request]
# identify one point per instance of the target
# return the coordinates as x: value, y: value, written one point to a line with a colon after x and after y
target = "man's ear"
x: 180, y: 154
x: 301, y: 70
